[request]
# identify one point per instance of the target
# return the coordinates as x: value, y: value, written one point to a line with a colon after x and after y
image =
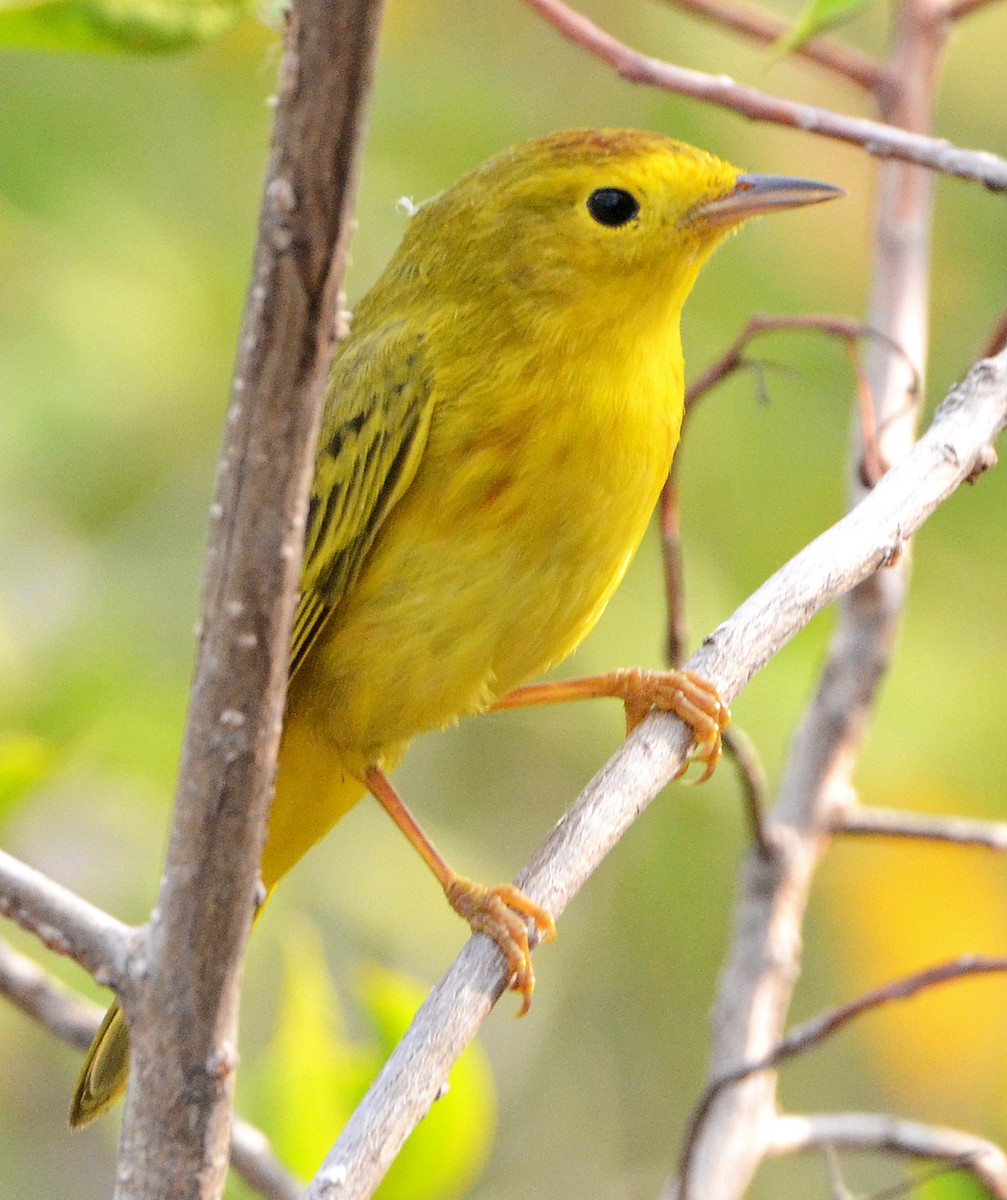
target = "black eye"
x: 612, y: 206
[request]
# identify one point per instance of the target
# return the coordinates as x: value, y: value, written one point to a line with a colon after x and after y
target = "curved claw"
x: 502, y: 913
x: 689, y: 697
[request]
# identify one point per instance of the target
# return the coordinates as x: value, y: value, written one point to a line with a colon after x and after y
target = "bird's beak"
x: 755, y: 194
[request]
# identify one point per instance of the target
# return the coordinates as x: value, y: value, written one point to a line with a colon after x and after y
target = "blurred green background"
x: 128, y: 199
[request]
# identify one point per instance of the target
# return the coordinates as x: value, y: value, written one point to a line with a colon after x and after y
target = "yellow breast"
x: 514, y: 534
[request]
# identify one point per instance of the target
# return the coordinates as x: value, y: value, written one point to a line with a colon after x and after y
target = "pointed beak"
x: 755, y: 194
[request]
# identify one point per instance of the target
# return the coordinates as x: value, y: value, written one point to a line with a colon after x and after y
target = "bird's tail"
x: 313, y: 790
x: 102, y: 1078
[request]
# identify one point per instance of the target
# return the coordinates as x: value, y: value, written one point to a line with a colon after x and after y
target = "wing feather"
x: 374, y: 427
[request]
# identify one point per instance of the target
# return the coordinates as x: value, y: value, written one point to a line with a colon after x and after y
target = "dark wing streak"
x: 365, y: 465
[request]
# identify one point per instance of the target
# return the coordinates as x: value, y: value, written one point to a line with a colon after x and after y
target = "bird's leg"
x: 501, y: 912
x: 687, y: 695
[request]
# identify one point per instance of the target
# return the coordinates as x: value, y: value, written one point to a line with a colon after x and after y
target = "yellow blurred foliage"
x: 316, y: 1072
x: 897, y: 907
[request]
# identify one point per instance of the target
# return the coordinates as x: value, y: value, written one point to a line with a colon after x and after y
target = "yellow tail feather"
x: 313, y: 791
x: 102, y: 1078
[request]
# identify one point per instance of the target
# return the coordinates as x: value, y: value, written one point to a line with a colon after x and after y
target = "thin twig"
x: 63, y: 922
x: 677, y: 635
x: 732, y: 360
x: 998, y: 338
x: 965, y: 8
x: 811, y: 1033
x: 877, y: 138
x: 880, y: 1132
x: 847, y: 329
x: 43, y: 998
x: 872, y: 464
x: 860, y: 820
x: 253, y: 1158
x: 972, y: 416
x: 739, y: 748
x: 74, y: 1021
x: 837, y: 1185
x: 763, y: 26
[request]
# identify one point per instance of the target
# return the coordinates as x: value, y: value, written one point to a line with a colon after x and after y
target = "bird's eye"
x: 612, y: 206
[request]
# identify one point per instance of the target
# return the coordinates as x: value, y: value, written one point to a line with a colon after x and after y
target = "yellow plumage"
x: 497, y: 428
x: 539, y: 346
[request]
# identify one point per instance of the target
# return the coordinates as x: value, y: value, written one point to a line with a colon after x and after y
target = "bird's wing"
x: 378, y: 405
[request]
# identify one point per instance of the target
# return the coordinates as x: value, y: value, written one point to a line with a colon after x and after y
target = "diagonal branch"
x: 253, y: 1159
x: 956, y: 9
x: 877, y: 138
x: 956, y: 446
x: 766, y: 27
x: 812, y: 1033
x: 881, y: 1132
x: 74, y: 1021
x: 46, y: 1001
x: 64, y: 922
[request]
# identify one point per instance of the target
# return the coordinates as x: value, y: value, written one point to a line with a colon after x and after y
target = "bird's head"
x: 589, y: 217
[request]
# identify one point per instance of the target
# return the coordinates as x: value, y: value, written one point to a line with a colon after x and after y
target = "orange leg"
x: 683, y: 693
x: 500, y: 912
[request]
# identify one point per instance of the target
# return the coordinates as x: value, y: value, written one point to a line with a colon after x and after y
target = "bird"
x: 497, y: 427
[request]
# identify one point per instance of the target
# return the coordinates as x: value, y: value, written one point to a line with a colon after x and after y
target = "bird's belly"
x: 463, y: 601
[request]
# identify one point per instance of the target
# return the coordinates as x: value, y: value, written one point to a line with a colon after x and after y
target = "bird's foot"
x: 689, y: 697
x: 503, y: 913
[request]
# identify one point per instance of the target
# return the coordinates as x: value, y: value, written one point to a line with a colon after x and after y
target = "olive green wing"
x: 377, y: 411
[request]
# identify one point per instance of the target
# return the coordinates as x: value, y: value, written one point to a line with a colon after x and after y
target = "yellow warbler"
x: 497, y: 428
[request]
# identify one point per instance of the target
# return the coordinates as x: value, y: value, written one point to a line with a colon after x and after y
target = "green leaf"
x: 314, y: 1077
x: 952, y: 1184
x: 24, y: 761
x: 117, y: 26
x: 816, y: 17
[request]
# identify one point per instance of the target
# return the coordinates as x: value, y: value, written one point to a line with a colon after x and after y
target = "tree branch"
x: 811, y: 1033
x: 766, y: 27
x: 732, y: 360
x: 877, y: 138
x: 74, y: 1021
x: 764, y: 960
x: 738, y: 747
x: 881, y: 1132
x: 998, y: 338
x: 848, y: 329
x: 47, y: 1002
x: 253, y: 1159
x: 965, y: 8
x: 954, y: 448
x: 183, y: 1010
x: 65, y: 923
x: 859, y: 820
x: 805, y: 1037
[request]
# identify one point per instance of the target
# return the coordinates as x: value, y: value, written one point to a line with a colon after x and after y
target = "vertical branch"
x: 764, y: 961
x: 182, y: 1000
